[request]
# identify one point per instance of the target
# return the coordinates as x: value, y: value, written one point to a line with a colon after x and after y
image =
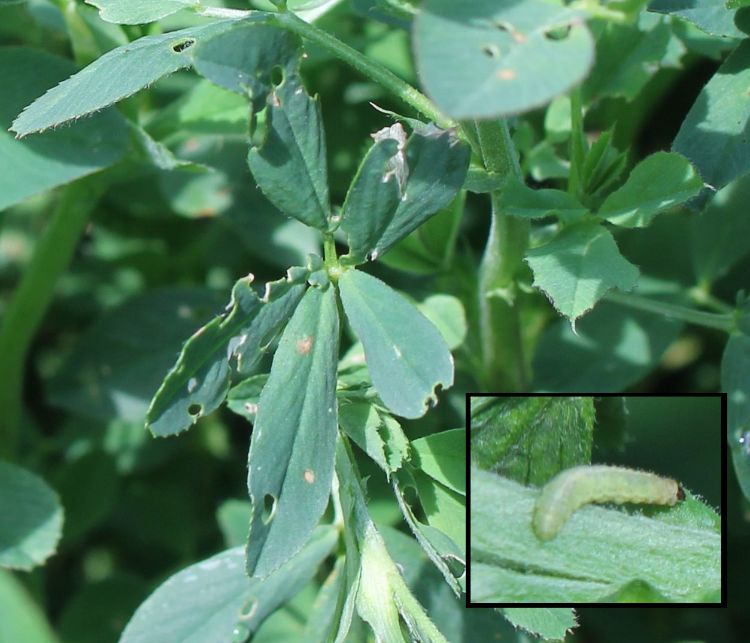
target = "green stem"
x: 577, y: 144
x: 365, y: 66
x: 31, y: 298
x: 496, y: 148
x: 504, y: 366
x: 702, y: 296
x: 329, y: 252
x: 723, y: 322
x: 383, y: 594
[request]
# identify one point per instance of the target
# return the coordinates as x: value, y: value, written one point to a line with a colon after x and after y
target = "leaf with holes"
x: 578, y: 267
x: 214, y: 600
x: 243, y: 59
x: 290, y: 465
x: 406, y: 355
x: 136, y: 12
x: 290, y: 165
x: 116, y: 75
x: 492, y: 58
x: 199, y: 381
x: 400, y: 184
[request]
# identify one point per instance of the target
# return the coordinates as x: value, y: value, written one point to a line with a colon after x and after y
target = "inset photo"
x: 596, y: 499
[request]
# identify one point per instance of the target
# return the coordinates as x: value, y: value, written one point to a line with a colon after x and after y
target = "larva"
x: 578, y: 486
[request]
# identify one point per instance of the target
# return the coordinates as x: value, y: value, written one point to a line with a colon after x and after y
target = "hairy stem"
x: 33, y: 295
x: 499, y: 321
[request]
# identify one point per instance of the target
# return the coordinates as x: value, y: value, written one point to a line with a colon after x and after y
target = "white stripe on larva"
x: 578, y: 486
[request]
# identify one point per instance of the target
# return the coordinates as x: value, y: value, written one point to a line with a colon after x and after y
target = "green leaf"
x: 735, y: 380
x: 440, y: 549
x: 203, y: 109
x: 578, y: 267
x: 548, y: 623
x: 678, y: 557
x: 373, y: 197
x: 720, y: 235
x: 602, y: 166
x: 445, y: 511
x: 290, y: 165
x: 116, y: 75
x: 399, y: 185
x: 611, y: 349
x: 377, y: 585
x: 243, y: 398
x: 243, y: 59
x: 118, y: 362
x: 21, y: 619
x: 443, y: 457
x: 405, y: 353
x: 292, y: 451
x: 529, y: 439
x: 659, y: 182
x: 325, y: 615
x: 627, y: 56
x: 447, y: 313
x: 214, y: 600
x: 430, y: 249
x: 31, y: 518
x: 136, y: 12
x: 233, y: 517
x: 713, y: 134
x: 711, y: 16
x: 521, y: 201
x: 376, y: 433
x: 55, y: 158
x: 492, y: 58
x: 199, y: 380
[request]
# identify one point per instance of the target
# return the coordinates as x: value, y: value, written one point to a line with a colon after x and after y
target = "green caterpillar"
x: 578, y: 486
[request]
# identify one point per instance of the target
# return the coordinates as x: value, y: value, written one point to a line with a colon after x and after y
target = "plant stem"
x: 499, y: 321
x: 577, y: 144
x: 497, y: 149
x: 329, y: 252
x: 31, y: 298
x: 365, y: 66
x: 723, y: 322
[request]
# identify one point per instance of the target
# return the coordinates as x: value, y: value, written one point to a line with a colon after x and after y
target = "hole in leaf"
x: 456, y: 566
x: 557, y: 33
x: 195, y: 409
x: 269, y: 508
x: 491, y: 51
x: 182, y: 45
x: 248, y: 610
x: 277, y: 75
x: 504, y: 26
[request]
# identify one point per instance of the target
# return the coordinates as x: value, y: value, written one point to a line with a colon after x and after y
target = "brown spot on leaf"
x: 304, y: 345
x: 309, y: 476
x: 506, y: 74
